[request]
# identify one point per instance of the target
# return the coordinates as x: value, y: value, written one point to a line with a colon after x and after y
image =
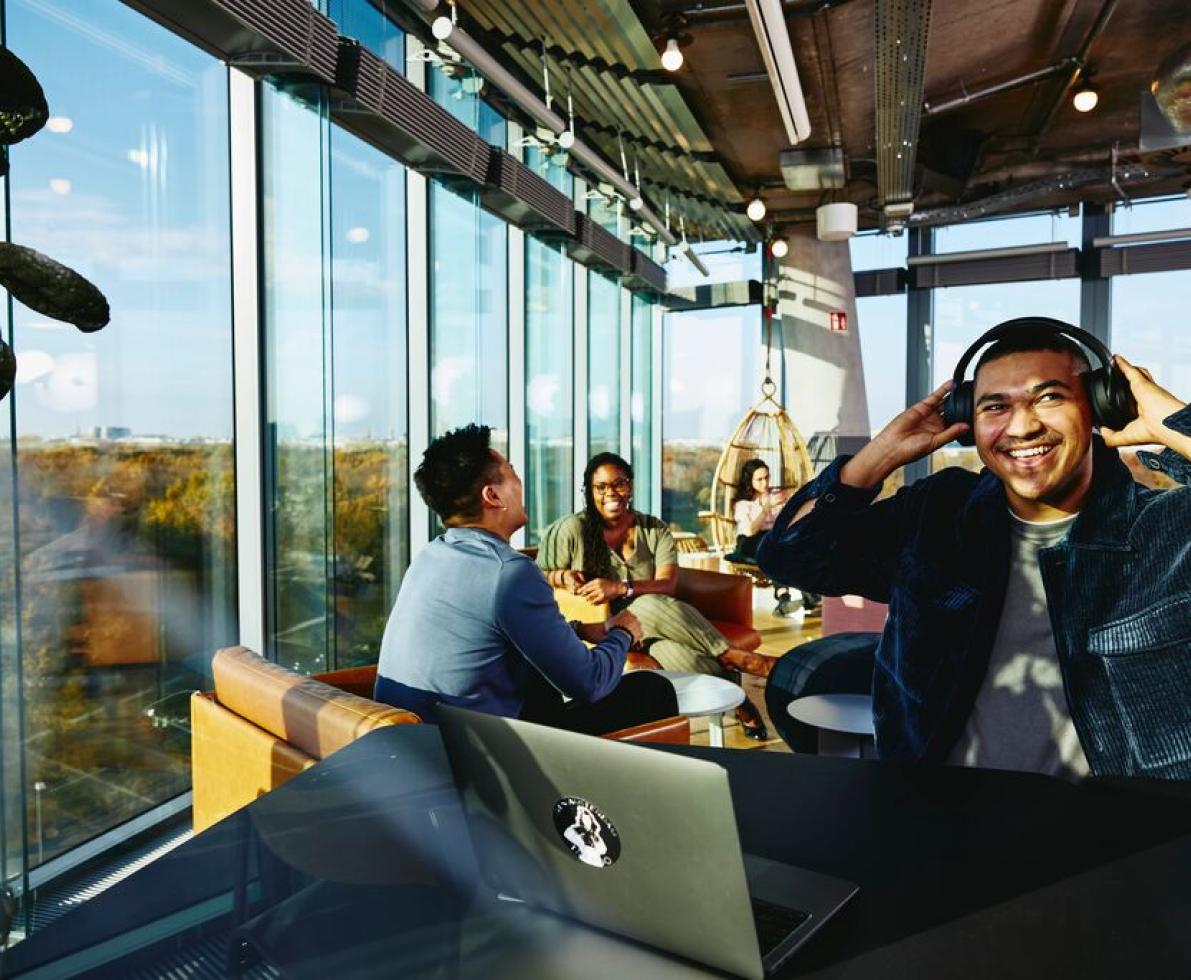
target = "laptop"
x: 630, y: 840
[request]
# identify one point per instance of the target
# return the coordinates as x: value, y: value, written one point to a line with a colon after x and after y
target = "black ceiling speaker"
x: 8, y: 368
x: 52, y: 289
x: 23, y: 109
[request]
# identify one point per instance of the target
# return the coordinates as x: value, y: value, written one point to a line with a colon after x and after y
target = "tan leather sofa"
x: 264, y: 724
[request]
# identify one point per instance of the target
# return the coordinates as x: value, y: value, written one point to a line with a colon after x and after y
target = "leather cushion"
x: 676, y: 730
x: 741, y: 637
x: 233, y: 761
x: 311, y: 716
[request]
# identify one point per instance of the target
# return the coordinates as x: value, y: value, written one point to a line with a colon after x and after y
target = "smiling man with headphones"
x: 1039, y: 611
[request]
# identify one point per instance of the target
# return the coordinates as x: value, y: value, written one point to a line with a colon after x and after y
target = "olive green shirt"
x: 649, y: 546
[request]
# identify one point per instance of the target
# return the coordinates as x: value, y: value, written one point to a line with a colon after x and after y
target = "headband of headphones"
x: 1069, y: 330
x: 1107, y: 389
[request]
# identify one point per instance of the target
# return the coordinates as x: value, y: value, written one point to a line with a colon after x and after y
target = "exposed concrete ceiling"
x: 985, y: 147
x: 708, y: 136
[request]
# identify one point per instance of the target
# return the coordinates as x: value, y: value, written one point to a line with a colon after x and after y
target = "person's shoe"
x: 757, y: 664
x: 751, y: 722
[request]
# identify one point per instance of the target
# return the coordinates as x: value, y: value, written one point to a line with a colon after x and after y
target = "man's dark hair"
x: 455, y: 469
x: 1031, y: 339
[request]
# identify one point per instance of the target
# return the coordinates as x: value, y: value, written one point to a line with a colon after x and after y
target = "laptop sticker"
x: 586, y: 831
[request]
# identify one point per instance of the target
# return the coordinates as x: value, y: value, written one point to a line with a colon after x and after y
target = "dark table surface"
x: 362, y: 866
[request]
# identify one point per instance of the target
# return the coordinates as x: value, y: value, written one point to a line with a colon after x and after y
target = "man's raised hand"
x: 915, y: 433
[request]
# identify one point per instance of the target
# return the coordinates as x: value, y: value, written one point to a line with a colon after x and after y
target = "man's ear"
x: 490, y: 496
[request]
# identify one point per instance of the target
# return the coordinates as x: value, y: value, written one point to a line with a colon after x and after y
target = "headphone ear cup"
x: 957, y: 407
x: 1113, y: 404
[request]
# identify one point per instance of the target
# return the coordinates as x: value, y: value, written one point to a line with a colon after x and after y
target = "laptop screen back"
x: 636, y: 841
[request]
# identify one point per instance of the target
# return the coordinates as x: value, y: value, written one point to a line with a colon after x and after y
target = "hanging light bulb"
x: 779, y: 248
x: 1086, y: 98
x: 442, y: 26
x: 672, y: 58
x: 756, y: 209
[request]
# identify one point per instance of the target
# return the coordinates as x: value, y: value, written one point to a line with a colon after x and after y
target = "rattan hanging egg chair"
x: 766, y: 432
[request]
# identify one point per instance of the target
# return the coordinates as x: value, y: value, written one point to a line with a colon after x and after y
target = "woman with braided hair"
x: 609, y: 552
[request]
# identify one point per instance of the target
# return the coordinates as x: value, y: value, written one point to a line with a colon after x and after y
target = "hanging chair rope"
x: 766, y: 432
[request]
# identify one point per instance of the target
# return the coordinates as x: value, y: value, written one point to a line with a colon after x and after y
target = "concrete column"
x: 825, y: 394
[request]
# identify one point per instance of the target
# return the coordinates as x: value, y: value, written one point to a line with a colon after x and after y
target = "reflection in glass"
x: 468, y: 290
x: 125, y: 524
x: 365, y: 21
x: 549, y: 392
x: 371, y: 536
x: 603, y: 365
x: 296, y: 310
x: 641, y: 409
x: 336, y: 384
x: 468, y: 316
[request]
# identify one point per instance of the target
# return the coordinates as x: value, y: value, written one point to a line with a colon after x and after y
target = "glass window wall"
x: 1149, y: 311
x: 468, y: 290
x: 881, y: 325
x: 642, y: 402
x: 714, y: 361
x: 371, y: 432
x: 365, y: 20
x: 334, y: 253
x: 122, y: 547
x: 603, y: 365
x: 294, y: 164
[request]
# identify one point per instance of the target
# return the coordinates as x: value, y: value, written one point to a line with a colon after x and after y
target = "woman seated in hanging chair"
x: 611, y: 553
x: 757, y: 506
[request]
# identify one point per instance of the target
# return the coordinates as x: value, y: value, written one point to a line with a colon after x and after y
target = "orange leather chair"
x: 264, y: 724
x: 726, y: 601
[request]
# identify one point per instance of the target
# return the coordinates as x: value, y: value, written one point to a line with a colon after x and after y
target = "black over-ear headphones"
x: 1108, y: 391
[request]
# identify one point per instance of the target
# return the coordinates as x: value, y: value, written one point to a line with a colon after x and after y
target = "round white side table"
x: 845, y: 722
x: 703, y: 694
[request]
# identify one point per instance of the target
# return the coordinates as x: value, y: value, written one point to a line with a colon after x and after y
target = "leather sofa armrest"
x: 728, y: 598
x: 676, y: 731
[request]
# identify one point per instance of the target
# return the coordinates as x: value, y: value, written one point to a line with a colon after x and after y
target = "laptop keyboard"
x: 774, y: 923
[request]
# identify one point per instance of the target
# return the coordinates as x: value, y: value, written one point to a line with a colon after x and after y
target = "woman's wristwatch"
x: 628, y: 589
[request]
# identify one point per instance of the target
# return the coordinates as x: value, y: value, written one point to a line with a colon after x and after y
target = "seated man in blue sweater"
x: 476, y: 625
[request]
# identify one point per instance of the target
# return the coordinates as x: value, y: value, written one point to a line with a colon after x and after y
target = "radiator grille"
x: 645, y: 274
x: 404, y: 121
x: 289, y: 29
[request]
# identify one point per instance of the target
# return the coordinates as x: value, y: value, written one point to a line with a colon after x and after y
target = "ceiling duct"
x: 1025, y: 193
x: 902, y: 28
x: 773, y: 38
x: 813, y: 170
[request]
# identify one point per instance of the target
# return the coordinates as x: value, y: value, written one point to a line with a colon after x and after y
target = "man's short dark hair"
x: 1031, y: 339
x: 454, y: 471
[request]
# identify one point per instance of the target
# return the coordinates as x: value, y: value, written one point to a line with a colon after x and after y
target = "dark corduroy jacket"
x: 1118, y: 590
